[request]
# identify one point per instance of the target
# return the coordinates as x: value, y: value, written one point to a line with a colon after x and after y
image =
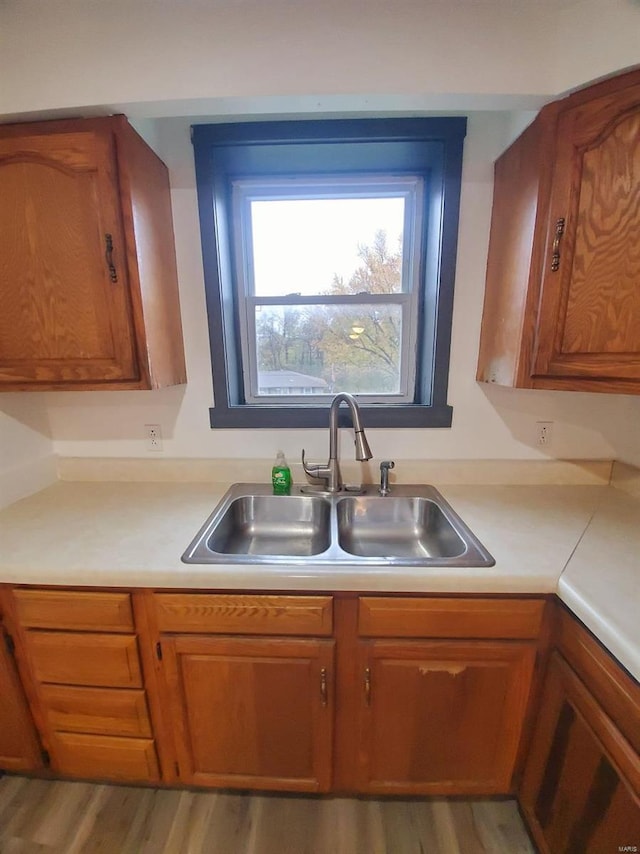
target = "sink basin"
x: 414, y: 526
x: 402, y: 527
x: 295, y: 526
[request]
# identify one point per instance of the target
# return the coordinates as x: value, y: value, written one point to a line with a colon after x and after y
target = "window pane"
x: 325, y: 349
x: 320, y: 246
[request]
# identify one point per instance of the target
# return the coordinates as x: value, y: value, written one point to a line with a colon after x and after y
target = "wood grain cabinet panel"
x: 88, y: 281
x: 442, y: 717
x: 107, y: 711
x: 244, y: 614
x: 104, y: 757
x: 74, y: 610
x: 252, y: 713
x: 581, y: 787
x: 562, y: 305
x: 84, y: 659
x: 382, y: 616
x: 590, y: 305
x: 19, y: 748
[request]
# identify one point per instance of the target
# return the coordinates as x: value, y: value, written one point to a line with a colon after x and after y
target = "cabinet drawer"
x: 85, y: 659
x: 449, y: 618
x: 107, y: 711
x: 75, y: 610
x: 103, y: 756
x: 244, y: 615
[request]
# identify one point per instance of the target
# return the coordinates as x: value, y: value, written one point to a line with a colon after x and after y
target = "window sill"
x: 294, y: 417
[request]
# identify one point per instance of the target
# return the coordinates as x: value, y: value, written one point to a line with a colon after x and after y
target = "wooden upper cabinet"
x: 88, y: 282
x: 562, y: 303
x: 590, y: 308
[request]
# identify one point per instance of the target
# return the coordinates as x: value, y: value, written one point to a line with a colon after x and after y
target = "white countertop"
x: 601, y: 582
x: 133, y: 534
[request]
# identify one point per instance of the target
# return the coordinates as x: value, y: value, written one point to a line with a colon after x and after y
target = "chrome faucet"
x: 331, y: 472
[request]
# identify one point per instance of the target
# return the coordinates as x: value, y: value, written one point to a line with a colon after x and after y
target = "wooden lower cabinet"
x: 19, y: 748
x: 400, y: 695
x: 252, y: 712
x: 442, y: 717
x: 581, y: 789
x: 412, y: 715
x: 80, y: 653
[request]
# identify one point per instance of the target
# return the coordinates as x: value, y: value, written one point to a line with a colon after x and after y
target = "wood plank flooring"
x: 52, y: 817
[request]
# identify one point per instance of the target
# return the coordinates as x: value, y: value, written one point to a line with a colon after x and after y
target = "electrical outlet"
x: 544, y: 433
x: 153, y: 435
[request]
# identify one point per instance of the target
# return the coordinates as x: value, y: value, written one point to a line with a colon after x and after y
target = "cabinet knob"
x: 324, y: 692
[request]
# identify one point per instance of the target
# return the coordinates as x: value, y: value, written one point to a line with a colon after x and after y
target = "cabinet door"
x: 442, y: 717
x: 252, y: 713
x: 589, y: 320
x: 66, y: 313
x: 578, y: 787
x: 19, y: 749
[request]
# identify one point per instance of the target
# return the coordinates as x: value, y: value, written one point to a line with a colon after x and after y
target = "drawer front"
x: 85, y: 659
x: 449, y: 618
x: 107, y: 711
x: 74, y: 610
x: 103, y: 756
x: 244, y: 615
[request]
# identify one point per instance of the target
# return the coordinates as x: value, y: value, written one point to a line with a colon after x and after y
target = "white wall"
x: 26, y: 451
x: 588, y: 39
x: 245, y: 58
x: 157, y: 50
x: 625, y: 433
x: 62, y: 54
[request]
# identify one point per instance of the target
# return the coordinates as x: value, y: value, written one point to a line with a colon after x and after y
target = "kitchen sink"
x: 294, y: 526
x: 413, y: 526
x: 405, y: 527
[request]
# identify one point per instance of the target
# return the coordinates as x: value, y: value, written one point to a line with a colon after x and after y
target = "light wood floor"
x: 42, y: 817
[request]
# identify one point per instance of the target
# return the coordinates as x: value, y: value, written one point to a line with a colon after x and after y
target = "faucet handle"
x: 316, y: 471
x: 307, y: 469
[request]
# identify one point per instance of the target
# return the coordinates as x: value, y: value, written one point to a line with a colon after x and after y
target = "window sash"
x: 245, y: 191
x: 408, y: 345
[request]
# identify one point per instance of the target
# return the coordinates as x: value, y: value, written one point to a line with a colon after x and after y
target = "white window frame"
x: 246, y: 191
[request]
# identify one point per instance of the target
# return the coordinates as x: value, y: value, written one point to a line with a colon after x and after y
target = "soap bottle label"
x: 281, y: 479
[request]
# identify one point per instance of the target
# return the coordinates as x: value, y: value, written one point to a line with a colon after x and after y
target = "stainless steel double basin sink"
x: 413, y: 526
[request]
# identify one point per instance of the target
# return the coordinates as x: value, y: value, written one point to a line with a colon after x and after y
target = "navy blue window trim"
x: 431, y: 147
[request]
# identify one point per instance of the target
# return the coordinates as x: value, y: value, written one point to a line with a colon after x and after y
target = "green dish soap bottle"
x: 281, y: 476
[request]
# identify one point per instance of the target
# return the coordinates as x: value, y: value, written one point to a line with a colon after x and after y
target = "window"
x: 329, y: 251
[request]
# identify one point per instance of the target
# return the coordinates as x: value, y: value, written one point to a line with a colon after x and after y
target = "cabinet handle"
x: 324, y: 693
x: 108, y: 255
x: 555, y: 248
x: 367, y: 685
